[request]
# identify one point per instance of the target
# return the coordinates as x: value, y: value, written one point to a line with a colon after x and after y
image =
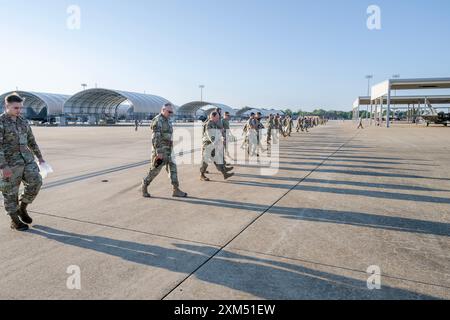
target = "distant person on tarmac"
x: 270, y: 127
x: 360, y: 126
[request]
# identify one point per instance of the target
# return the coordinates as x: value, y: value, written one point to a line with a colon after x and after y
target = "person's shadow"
x: 260, y: 277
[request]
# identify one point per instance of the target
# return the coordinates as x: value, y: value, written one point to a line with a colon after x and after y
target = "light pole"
x: 369, y: 78
x: 84, y: 86
x: 395, y: 76
x: 201, y: 91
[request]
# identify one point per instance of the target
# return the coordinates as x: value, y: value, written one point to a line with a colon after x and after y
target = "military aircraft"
x: 436, y: 117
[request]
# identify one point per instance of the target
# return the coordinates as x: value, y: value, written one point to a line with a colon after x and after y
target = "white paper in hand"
x: 45, y: 170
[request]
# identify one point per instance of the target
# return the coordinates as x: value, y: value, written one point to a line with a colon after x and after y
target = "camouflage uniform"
x: 270, y: 126
x: 226, y: 127
x: 281, y: 122
x: 226, y: 134
x: 277, y: 123
x: 221, y: 126
x: 211, y: 132
x: 17, y: 151
x: 259, y: 128
x: 299, y: 124
x: 162, y: 142
x: 290, y: 126
x: 252, y: 136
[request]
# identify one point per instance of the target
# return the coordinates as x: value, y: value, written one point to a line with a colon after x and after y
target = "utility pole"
x: 202, y: 86
x: 395, y: 76
x: 369, y: 78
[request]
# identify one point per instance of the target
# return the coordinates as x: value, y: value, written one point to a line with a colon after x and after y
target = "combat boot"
x: 204, y: 178
x: 23, y: 213
x: 178, y: 193
x: 227, y: 175
x: 144, y: 189
x: 228, y: 169
x: 16, y: 224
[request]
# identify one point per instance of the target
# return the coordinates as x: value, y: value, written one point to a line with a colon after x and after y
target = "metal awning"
x: 106, y: 101
x: 191, y: 108
x: 405, y: 100
x: 40, y: 100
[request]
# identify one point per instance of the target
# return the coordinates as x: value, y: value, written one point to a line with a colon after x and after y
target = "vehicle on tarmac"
x: 435, y: 117
x: 439, y: 118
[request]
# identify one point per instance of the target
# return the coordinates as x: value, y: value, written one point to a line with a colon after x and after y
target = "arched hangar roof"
x: 40, y: 100
x: 193, y: 107
x: 106, y: 101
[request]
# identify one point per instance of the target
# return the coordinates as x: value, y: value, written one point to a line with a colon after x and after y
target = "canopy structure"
x: 191, y: 108
x: 46, y: 104
x: 381, y: 92
x: 240, y: 113
x: 397, y: 102
x: 106, y: 102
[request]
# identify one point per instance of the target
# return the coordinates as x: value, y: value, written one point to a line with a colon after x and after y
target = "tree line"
x: 331, y: 114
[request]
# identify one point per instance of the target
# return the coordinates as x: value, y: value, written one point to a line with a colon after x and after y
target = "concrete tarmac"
x: 341, y: 202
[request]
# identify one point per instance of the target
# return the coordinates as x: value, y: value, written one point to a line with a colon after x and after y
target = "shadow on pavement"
x: 262, y: 278
x: 329, y: 216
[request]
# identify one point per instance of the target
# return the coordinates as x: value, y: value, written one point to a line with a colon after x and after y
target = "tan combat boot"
x: 178, y: 193
x: 144, y: 189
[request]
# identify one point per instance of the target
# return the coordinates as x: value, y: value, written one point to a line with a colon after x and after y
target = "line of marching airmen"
x: 215, y: 142
x: 18, y: 150
x: 277, y: 125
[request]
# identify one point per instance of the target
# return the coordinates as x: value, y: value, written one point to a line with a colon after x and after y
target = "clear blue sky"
x: 263, y: 53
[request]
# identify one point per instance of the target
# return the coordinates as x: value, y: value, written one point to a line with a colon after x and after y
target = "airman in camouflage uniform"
x: 17, y: 164
x: 288, y: 126
x: 280, y: 127
x: 299, y: 124
x: 251, y: 135
x: 259, y: 129
x: 223, y: 125
x: 270, y: 127
x: 212, y: 148
x: 162, y: 142
x: 228, y: 136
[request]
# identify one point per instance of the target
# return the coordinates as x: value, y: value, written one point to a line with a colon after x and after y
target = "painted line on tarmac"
x: 87, y: 176
x: 222, y: 248
x: 91, y: 175
x: 121, y: 228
